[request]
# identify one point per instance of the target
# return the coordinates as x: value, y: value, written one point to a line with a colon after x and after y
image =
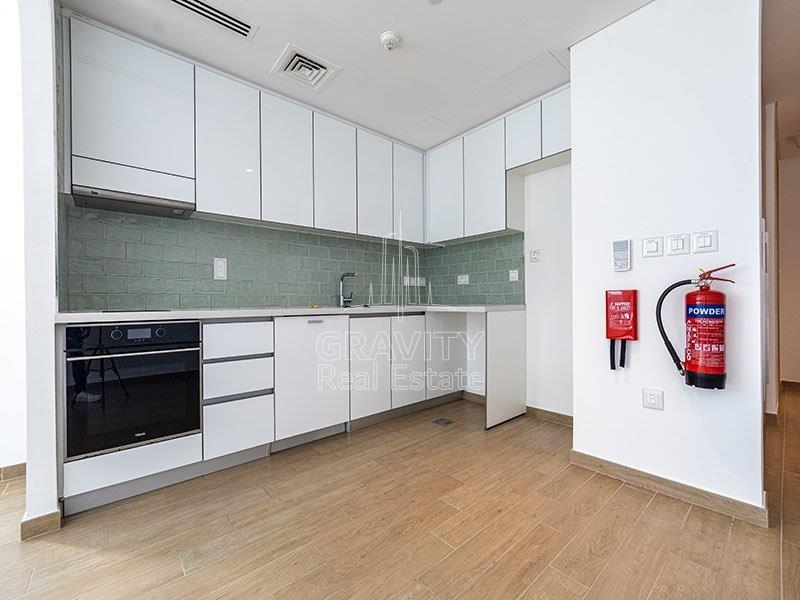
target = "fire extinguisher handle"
x: 660, y: 323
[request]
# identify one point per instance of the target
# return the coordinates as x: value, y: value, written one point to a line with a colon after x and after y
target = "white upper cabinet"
x: 287, y: 162
x: 524, y: 136
x: 228, y: 146
x: 131, y: 105
x: 409, y: 194
x: 374, y: 184
x: 334, y: 174
x: 445, y: 174
x: 485, y: 180
x: 556, y: 131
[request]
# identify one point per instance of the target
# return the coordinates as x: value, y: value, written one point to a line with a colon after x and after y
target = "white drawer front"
x: 117, y: 467
x: 237, y: 377
x: 234, y: 426
x: 224, y: 340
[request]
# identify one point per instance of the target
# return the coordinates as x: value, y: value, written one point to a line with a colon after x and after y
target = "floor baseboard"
x: 740, y: 510
x: 473, y: 397
x: 12, y: 471
x: 548, y: 415
x: 31, y: 528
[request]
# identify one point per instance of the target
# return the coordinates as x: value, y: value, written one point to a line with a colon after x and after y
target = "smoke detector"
x: 390, y: 40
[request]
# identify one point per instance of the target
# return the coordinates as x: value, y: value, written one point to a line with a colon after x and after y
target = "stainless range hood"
x: 134, y: 203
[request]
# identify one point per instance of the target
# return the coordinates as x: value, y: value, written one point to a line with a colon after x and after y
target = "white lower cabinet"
x: 408, y: 360
x: 370, y: 366
x: 98, y: 472
x: 311, y: 370
x: 236, y: 377
x: 238, y: 425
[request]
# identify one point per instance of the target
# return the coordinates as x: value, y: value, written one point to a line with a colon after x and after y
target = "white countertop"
x: 258, y: 313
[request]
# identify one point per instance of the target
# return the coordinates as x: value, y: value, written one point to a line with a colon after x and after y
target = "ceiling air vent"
x: 303, y: 66
x: 217, y: 16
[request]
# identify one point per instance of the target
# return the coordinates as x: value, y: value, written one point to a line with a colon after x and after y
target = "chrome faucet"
x: 345, y: 301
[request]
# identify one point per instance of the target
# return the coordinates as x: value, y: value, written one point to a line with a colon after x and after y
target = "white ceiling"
x: 461, y: 62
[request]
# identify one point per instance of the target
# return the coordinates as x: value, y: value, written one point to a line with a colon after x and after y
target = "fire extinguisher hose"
x: 660, y: 323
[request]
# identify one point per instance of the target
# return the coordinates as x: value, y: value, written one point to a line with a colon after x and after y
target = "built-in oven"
x: 129, y: 384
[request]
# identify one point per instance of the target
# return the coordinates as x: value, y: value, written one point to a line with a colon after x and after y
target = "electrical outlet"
x: 653, y: 246
x: 705, y: 241
x: 462, y: 279
x: 653, y: 399
x: 679, y: 243
x: 513, y: 275
x: 220, y: 269
x: 536, y: 256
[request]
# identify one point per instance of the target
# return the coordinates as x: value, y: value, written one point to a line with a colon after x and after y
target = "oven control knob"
x: 161, y: 332
x: 116, y: 334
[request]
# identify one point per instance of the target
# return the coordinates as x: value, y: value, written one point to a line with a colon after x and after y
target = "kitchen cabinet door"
x: 556, y: 131
x: 524, y: 136
x: 408, y: 360
x: 238, y: 425
x: 228, y: 146
x: 311, y: 367
x: 374, y: 184
x: 334, y: 174
x: 130, y: 104
x: 409, y: 194
x: 445, y: 175
x: 287, y: 162
x: 370, y: 366
x: 485, y: 180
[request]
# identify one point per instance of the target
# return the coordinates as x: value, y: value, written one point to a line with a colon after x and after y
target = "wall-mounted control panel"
x: 621, y: 255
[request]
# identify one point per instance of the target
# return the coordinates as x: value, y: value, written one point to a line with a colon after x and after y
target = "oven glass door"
x: 117, y: 400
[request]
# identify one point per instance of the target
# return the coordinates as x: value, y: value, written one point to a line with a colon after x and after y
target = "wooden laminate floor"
x: 411, y: 510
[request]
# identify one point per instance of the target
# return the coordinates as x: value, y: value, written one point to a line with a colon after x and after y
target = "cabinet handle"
x: 314, y: 321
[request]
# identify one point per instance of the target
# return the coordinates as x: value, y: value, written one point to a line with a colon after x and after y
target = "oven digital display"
x: 140, y: 333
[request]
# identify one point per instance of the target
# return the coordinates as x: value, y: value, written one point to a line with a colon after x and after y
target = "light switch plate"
x: 705, y: 241
x: 220, y: 269
x: 653, y: 399
x: 462, y: 280
x: 652, y: 246
x: 679, y: 243
x: 513, y: 275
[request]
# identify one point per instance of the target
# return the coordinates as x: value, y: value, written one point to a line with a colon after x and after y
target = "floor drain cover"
x: 442, y: 421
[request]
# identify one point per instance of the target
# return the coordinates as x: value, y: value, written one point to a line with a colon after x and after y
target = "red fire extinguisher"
x: 704, y: 366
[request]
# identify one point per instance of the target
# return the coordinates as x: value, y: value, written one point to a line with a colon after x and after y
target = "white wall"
x: 789, y: 219
x: 38, y: 92
x: 548, y: 290
x: 12, y: 300
x: 666, y: 139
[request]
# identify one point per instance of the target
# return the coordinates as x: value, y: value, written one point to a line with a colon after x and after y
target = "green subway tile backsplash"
x: 487, y: 262
x: 119, y: 261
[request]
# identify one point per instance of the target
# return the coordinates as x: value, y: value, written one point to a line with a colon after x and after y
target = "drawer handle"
x: 315, y: 321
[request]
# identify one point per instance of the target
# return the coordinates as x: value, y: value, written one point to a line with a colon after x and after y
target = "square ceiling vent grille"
x: 304, y: 67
